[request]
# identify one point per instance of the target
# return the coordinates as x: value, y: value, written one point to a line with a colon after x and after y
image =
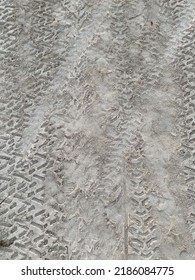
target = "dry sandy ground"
x: 97, y: 129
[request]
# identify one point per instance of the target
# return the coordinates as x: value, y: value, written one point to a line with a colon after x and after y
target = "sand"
x: 97, y: 129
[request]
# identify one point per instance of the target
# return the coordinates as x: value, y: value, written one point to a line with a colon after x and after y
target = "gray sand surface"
x: 97, y: 129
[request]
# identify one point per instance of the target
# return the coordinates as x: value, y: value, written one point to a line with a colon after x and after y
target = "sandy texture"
x: 97, y: 129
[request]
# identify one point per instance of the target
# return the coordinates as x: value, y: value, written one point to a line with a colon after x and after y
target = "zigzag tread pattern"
x: 186, y: 62
x: 74, y: 173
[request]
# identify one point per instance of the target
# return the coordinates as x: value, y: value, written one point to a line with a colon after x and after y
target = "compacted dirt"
x: 97, y: 129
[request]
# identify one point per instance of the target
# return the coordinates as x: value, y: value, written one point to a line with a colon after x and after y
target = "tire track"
x: 186, y: 64
x: 78, y: 184
x: 139, y: 226
x: 183, y: 19
x: 25, y: 190
x: 162, y: 136
x: 163, y: 146
x: 12, y: 115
